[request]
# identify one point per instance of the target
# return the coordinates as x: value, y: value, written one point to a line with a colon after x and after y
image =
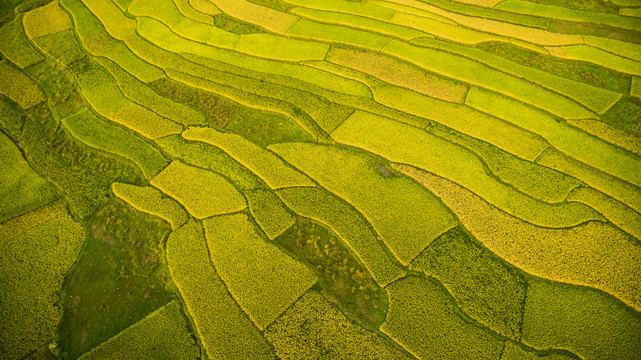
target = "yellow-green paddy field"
x: 320, y: 179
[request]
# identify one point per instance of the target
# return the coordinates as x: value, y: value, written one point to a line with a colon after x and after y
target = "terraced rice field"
x: 320, y: 179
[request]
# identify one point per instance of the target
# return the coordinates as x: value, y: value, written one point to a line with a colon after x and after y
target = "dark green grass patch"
x: 8, y: 8
x: 120, y: 277
x: 58, y: 86
x: 490, y: 13
x: 83, y: 174
x: 340, y: 274
x: 586, y: 5
x: 232, y: 25
x: 625, y: 115
x: 104, y: 135
x: 274, y: 4
x: 259, y: 127
x: 584, y: 28
x: 579, y: 71
x: 11, y: 117
x: 28, y: 5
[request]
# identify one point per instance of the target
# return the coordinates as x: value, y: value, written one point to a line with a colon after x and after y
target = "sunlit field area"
x: 320, y: 179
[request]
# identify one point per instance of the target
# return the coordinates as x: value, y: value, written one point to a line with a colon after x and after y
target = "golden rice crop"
x: 223, y: 328
x: 203, y: 193
x: 264, y: 280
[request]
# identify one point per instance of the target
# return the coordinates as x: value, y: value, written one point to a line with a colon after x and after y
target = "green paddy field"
x: 320, y: 179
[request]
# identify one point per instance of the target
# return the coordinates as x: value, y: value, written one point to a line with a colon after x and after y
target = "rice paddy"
x: 320, y: 179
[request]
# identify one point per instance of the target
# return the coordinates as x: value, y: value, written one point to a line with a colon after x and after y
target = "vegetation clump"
x: 119, y: 279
